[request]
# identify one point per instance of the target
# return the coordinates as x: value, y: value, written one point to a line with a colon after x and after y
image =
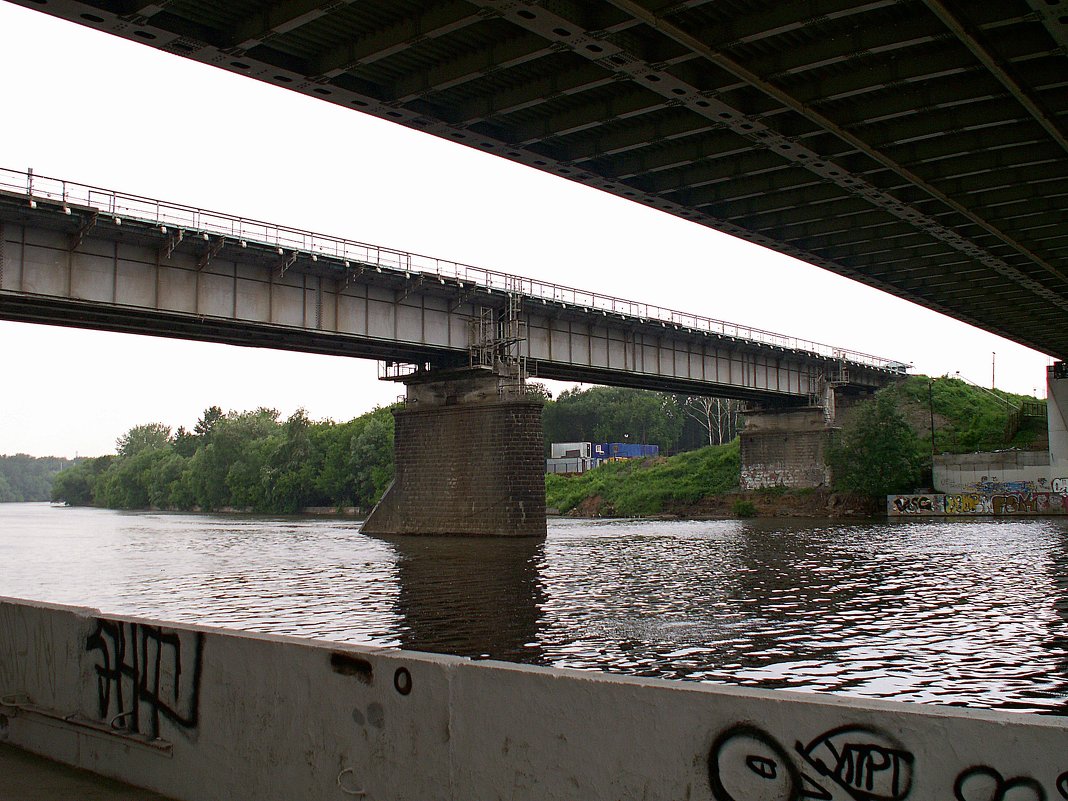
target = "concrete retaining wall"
x: 1057, y: 410
x: 202, y: 714
x: 997, y: 472
x: 978, y: 504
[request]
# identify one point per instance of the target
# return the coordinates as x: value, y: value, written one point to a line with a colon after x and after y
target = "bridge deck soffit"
x: 942, y: 121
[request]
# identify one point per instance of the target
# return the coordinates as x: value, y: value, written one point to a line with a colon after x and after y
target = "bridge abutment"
x: 788, y: 447
x: 469, y: 459
x: 785, y: 448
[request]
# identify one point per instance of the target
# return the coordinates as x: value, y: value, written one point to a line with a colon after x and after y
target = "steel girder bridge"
x: 917, y: 146
x: 88, y: 257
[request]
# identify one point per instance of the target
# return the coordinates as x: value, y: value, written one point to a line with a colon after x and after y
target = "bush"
x: 877, y: 453
x: 743, y: 508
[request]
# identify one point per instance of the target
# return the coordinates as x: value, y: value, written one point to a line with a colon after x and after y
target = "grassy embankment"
x: 966, y: 419
x: 646, y: 486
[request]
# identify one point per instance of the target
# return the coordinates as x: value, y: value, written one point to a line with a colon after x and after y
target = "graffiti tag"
x: 863, y: 763
x: 141, y: 677
x: 746, y: 762
x: 986, y: 784
x: 916, y: 504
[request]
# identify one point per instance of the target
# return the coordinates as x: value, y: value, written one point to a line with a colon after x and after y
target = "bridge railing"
x: 122, y: 205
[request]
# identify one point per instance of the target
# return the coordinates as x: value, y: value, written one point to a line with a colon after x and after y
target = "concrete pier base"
x: 469, y: 460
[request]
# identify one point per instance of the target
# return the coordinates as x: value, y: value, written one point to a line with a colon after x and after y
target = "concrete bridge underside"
x: 918, y: 146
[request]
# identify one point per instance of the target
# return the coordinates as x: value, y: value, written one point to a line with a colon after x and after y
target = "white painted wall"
x: 270, y: 717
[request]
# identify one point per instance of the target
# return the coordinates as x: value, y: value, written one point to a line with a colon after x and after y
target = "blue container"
x: 624, y: 450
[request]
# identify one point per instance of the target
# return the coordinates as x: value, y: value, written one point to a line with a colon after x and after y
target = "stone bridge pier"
x: 787, y: 446
x: 469, y: 458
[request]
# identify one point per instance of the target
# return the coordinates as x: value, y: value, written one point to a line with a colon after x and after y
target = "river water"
x: 971, y: 613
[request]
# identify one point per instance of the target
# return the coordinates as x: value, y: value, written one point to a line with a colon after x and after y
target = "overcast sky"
x: 96, y: 109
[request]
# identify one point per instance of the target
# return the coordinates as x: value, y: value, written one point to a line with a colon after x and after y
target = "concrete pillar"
x: 785, y: 448
x: 469, y: 460
x: 1057, y: 415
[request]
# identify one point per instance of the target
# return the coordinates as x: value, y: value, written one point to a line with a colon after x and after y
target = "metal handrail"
x: 123, y: 205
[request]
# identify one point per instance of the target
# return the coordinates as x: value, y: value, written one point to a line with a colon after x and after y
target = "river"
x: 970, y: 613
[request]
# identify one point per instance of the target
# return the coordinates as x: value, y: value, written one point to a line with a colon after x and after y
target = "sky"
x: 92, y: 108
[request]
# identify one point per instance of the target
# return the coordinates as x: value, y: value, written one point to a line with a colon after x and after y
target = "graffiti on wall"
x: 849, y: 762
x: 916, y: 504
x: 969, y: 503
x: 1059, y: 485
x: 992, y: 486
x: 146, y: 674
x: 979, y: 503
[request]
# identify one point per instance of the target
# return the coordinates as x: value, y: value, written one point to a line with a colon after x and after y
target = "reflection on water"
x: 471, y: 597
x: 970, y: 613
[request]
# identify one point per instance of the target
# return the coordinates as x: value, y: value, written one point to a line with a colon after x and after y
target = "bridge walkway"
x: 28, y: 777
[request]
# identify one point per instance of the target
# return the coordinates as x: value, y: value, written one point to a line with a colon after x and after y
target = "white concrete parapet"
x: 200, y: 713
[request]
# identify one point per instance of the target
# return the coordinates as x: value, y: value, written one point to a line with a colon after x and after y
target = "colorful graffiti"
x: 916, y: 505
x: 979, y: 503
x: 991, y: 486
x: 970, y: 503
x: 1060, y: 485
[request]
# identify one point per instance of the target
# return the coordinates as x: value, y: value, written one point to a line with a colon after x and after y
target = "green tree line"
x: 28, y: 478
x: 885, y: 444
x: 240, y: 460
x: 256, y: 461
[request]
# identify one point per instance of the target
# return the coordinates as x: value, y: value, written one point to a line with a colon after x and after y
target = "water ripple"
x: 966, y: 613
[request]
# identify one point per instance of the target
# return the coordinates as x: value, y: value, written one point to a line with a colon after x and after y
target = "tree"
x: 613, y: 414
x: 29, y: 478
x: 718, y: 417
x: 538, y: 390
x: 372, y: 457
x: 144, y: 437
x: 185, y: 443
x: 7, y: 495
x: 877, y: 453
x: 207, y: 422
x: 76, y: 486
x: 288, y: 469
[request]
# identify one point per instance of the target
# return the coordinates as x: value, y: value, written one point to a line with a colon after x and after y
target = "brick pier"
x: 469, y: 461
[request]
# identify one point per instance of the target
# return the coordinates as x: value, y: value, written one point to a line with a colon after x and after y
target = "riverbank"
x: 774, y: 503
x: 697, y: 485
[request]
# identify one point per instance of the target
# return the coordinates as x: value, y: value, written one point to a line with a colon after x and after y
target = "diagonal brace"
x: 86, y: 227
x: 211, y: 252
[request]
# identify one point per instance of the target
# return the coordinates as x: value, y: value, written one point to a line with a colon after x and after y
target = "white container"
x: 570, y: 450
